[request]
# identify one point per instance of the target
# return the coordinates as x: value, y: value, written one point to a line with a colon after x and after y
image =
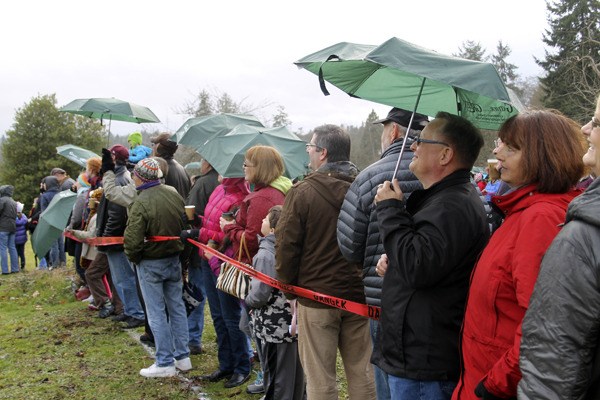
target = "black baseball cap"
x: 402, y: 117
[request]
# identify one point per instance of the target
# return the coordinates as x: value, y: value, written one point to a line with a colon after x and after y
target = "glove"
x: 482, y: 392
x: 189, y: 234
x: 107, y: 162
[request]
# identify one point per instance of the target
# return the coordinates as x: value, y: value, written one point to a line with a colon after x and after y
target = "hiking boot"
x: 236, y: 380
x: 195, y: 349
x: 132, y: 322
x: 185, y: 364
x: 258, y: 385
x: 106, y: 310
x: 155, y: 371
x: 119, y: 317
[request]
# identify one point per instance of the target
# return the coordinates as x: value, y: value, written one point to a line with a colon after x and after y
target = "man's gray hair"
x: 335, y: 139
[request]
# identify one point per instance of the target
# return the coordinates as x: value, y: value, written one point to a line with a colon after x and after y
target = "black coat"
x: 432, y: 245
x: 111, y: 218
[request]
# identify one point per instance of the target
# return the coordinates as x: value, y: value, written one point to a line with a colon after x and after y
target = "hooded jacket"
x: 112, y: 218
x: 8, y: 209
x: 501, y: 285
x: 560, y: 347
x: 52, y: 188
x: 306, y: 246
x: 200, y: 193
x: 432, y: 243
x: 357, y: 228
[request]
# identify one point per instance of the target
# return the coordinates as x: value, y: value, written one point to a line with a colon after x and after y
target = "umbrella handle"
x: 321, y: 79
x: 412, y: 116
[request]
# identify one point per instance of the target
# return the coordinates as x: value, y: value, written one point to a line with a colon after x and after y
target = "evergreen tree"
x: 506, y: 70
x: 471, y: 50
x: 281, y: 118
x: 572, y: 81
x: 29, y: 151
x: 366, y: 142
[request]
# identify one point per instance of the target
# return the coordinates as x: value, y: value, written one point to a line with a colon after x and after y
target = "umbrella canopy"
x: 394, y: 73
x: 226, y: 153
x: 76, y: 154
x: 52, y: 222
x: 197, y: 131
x: 112, y: 109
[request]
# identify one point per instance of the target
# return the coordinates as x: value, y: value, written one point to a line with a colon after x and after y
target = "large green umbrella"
x: 226, y: 153
x: 52, y: 222
x: 76, y: 154
x: 197, y: 131
x: 111, y: 109
x: 400, y: 74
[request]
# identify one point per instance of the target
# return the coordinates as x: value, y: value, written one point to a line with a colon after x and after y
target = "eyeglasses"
x: 595, y: 123
x: 247, y: 165
x: 497, y: 142
x: 419, y: 140
x: 318, y: 148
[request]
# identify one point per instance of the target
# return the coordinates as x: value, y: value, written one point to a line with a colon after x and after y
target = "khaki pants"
x: 321, y: 332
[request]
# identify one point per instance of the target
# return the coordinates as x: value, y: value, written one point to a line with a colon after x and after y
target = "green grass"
x: 53, y: 347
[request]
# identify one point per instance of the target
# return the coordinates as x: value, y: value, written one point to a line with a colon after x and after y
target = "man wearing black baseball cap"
x: 357, y: 224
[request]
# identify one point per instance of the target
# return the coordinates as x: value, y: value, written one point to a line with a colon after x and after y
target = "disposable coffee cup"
x: 189, y: 211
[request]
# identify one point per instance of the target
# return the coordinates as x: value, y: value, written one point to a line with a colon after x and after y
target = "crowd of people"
x: 467, y: 309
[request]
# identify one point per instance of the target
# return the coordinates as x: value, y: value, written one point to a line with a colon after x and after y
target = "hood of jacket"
x: 586, y: 207
x: 51, y: 183
x: 6, y: 190
x: 234, y: 185
x: 283, y: 184
x: 522, y: 198
x: 331, y: 181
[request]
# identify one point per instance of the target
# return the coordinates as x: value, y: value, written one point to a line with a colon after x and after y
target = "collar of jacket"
x: 586, y: 207
x: 525, y: 196
x: 396, y: 145
x: 343, y: 169
x: 458, y: 177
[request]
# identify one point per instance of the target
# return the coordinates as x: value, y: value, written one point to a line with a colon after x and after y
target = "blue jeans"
x: 381, y: 377
x: 54, y: 256
x: 161, y: 284
x: 196, y: 318
x: 123, y: 277
x: 401, y: 388
x: 231, y: 341
x: 62, y: 255
x: 8, y: 247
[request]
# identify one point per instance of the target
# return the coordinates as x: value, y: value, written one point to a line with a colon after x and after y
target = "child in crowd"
x: 137, y: 151
x: 21, y: 234
x: 271, y: 319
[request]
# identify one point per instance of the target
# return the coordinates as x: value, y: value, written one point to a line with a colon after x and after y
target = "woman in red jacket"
x: 540, y: 159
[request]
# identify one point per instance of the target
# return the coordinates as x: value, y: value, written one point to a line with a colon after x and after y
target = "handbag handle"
x: 243, y: 247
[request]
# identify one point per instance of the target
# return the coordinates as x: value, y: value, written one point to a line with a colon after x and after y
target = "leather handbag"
x: 231, y: 279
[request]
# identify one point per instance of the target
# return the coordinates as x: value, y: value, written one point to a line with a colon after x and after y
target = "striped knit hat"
x: 83, y: 180
x: 147, y: 170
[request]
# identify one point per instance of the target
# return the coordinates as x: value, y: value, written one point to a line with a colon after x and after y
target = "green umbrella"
x: 400, y: 74
x: 111, y: 109
x: 193, y: 165
x: 197, y: 131
x: 76, y: 154
x: 226, y: 153
x: 52, y: 222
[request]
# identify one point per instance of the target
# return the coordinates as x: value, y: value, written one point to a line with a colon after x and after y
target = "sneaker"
x: 258, y: 385
x: 155, y: 371
x: 132, y: 322
x: 106, y: 310
x: 185, y: 364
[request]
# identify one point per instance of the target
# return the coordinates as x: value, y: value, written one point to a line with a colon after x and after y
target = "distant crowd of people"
x: 468, y: 308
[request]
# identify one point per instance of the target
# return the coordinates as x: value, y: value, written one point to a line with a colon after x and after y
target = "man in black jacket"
x: 357, y: 228
x: 432, y: 241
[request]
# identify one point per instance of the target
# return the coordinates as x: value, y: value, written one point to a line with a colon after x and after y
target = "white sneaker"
x: 185, y: 364
x: 155, y: 371
x: 89, y: 299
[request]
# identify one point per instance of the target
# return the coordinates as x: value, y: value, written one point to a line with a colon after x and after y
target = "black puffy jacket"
x: 357, y: 227
x: 111, y: 218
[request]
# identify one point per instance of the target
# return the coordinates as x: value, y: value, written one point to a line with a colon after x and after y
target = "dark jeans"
x: 21, y: 254
x: 225, y: 312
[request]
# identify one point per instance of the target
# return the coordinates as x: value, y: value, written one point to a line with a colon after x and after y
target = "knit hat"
x: 120, y: 152
x: 84, y: 180
x: 20, y: 207
x: 147, y: 170
x: 135, y: 139
x: 94, y: 164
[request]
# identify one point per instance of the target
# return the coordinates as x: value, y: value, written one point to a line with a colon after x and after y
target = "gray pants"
x: 283, y: 377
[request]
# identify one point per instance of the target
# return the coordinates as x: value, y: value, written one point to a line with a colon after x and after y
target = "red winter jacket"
x: 501, y: 285
x: 228, y: 194
x: 248, y: 221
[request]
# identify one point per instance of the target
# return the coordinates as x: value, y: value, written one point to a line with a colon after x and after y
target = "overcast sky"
x: 162, y: 53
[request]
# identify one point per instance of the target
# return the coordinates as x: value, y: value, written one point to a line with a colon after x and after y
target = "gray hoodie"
x: 8, y: 209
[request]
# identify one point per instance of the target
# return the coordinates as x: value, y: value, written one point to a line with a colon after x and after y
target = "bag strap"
x: 243, y: 247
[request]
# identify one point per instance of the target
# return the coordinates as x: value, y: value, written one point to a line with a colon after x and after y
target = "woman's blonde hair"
x: 267, y: 163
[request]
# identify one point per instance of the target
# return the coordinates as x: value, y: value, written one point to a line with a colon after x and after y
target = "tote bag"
x: 232, y: 280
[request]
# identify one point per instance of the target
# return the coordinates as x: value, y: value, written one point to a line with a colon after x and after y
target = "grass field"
x: 53, y: 347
